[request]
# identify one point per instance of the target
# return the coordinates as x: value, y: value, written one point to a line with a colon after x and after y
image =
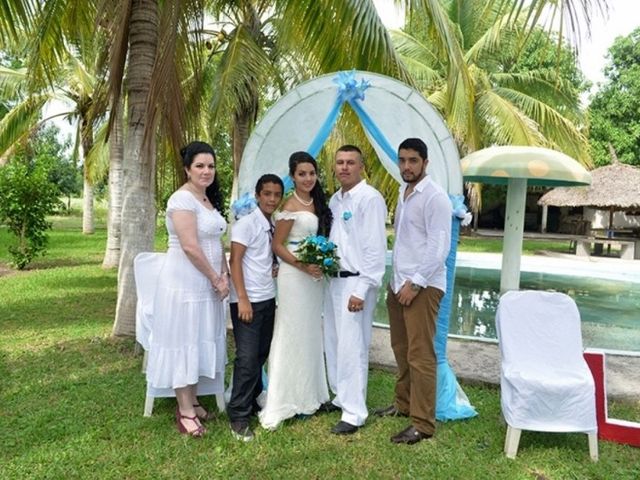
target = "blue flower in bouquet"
x: 346, y: 215
x: 318, y: 250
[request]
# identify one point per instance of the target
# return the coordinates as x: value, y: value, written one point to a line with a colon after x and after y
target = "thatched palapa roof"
x: 613, y: 186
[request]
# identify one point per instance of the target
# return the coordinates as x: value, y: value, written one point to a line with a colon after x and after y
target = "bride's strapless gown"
x: 297, y: 381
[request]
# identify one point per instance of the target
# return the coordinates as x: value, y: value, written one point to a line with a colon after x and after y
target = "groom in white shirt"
x: 358, y: 229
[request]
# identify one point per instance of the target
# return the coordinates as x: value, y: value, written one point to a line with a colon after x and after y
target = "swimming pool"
x: 607, y: 295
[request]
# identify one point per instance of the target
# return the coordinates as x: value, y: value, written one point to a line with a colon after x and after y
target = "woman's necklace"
x: 197, y: 194
x: 306, y: 204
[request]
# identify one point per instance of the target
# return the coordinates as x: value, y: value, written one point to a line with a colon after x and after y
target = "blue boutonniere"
x: 346, y: 215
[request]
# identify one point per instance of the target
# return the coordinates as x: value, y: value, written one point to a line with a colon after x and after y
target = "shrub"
x: 27, y: 198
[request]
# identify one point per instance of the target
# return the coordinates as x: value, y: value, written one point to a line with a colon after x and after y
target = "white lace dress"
x: 297, y: 382
x: 187, y: 344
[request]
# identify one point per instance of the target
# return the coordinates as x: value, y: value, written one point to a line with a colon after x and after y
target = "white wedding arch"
x: 398, y: 111
x: 389, y: 112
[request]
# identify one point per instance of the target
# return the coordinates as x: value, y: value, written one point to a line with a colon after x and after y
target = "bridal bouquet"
x: 319, y: 250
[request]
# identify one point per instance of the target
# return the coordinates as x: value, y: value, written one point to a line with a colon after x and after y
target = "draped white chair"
x: 546, y: 385
x: 147, y: 267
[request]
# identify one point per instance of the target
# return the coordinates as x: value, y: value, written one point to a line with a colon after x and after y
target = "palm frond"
x: 116, y: 18
x: 340, y: 36
x: 78, y: 77
x: 505, y: 124
x: 545, y: 85
x: 241, y: 65
x: 12, y: 81
x: 558, y: 131
x: 502, y: 32
x: 447, y: 39
x: 575, y: 16
x: 14, y: 16
x: 20, y: 121
x: 47, y: 46
x: 96, y: 160
x: 165, y: 104
x: 420, y: 61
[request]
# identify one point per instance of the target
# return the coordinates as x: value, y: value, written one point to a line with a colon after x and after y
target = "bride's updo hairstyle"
x: 188, y: 153
x: 323, y: 212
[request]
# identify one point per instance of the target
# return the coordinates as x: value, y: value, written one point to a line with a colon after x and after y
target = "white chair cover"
x: 147, y: 267
x: 545, y: 382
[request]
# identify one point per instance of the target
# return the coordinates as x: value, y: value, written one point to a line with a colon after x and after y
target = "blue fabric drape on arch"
x: 451, y: 402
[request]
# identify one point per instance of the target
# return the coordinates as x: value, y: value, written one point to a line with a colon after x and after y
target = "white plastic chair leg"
x: 593, y: 446
x: 148, y: 405
x: 220, y: 402
x: 512, y: 441
x: 144, y: 362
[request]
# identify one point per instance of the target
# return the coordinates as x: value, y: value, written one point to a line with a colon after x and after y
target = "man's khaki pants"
x: 413, y: 329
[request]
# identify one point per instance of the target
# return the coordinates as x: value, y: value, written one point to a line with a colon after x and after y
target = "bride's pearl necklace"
x: 306, y: 204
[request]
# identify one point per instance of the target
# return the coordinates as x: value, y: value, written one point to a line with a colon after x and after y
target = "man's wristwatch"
x: 415, y: 287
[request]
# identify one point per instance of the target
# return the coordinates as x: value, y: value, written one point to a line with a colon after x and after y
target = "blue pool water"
x: 609, y: 307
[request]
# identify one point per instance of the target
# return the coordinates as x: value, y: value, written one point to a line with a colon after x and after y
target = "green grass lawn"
x: 494, y: 245
x: 71, y: 400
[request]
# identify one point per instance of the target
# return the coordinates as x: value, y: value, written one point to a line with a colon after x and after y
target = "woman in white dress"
x: 187, y: 347
x: 296, y: 369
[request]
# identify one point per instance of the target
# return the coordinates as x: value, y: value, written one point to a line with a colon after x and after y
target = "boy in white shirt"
x: 252, y: 302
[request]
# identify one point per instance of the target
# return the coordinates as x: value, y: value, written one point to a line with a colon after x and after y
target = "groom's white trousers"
x: 347, y: 336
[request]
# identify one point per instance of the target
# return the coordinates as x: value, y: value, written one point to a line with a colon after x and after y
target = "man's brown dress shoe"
x: 410, y: 436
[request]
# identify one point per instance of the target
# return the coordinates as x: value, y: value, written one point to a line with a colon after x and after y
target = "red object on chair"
x: 613, y: 430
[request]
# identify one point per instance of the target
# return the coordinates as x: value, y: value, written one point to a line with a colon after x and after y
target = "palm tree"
x: 500, y: 102
x: 509, y: 106
x: 259, y: 54
x: 151, y: 39
x: 114, y: 212
x: 76, y: 86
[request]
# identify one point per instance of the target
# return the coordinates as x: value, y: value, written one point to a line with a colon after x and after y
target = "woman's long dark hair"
x: 213, y: 192
x: 323, y: 212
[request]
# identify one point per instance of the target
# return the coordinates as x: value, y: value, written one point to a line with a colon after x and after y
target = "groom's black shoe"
x: 328, y: 407
x: 390, y: 411
x: 344, y: 428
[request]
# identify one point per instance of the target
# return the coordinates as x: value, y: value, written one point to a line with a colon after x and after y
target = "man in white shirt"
x: 422, y: 241
x: 252, y: 302
x: 358, y: 229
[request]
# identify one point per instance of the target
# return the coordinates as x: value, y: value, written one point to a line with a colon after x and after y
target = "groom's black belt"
x: 345, y: 274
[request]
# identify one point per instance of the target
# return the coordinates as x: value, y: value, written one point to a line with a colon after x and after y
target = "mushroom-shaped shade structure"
x: 517, y: 167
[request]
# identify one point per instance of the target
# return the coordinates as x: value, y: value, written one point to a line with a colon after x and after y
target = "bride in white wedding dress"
x: 296, y: 369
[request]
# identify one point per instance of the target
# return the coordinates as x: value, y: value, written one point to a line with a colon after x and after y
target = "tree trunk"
x: 138, y: 207
x: 242, y: 123
x: 86, y: 135
x: 114, y: 215
x: 87, y: 205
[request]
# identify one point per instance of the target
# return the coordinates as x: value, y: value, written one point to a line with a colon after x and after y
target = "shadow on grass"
x: 73, y: 389
x: 84, y: 399
x: 41, y: 303
x: 45, y: 263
